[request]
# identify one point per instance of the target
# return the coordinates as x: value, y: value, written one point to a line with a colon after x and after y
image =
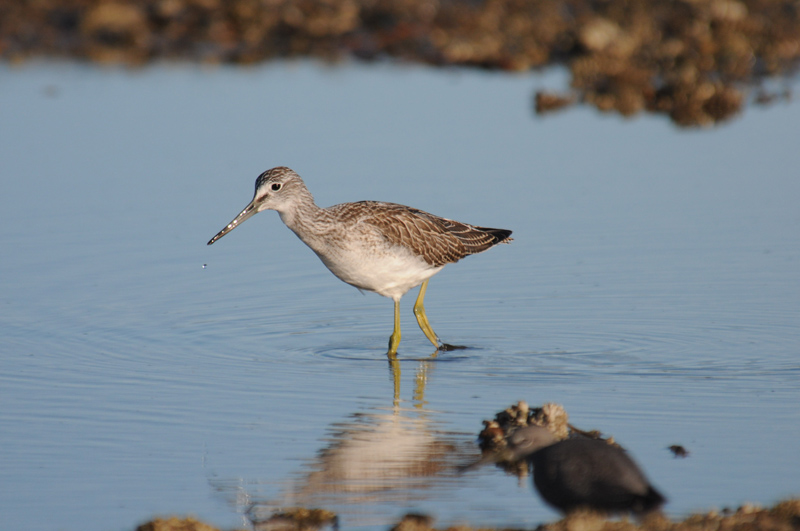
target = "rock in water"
x: 582, y: 473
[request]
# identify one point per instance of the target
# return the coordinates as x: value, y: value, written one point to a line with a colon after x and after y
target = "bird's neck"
x: 304, y: 217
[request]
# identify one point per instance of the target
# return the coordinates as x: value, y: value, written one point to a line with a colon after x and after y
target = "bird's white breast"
x: 387, y: 270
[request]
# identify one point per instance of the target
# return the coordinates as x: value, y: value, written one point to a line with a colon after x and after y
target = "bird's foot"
x: 445, y: 347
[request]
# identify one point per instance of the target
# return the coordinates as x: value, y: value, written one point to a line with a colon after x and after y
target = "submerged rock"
x: 583, y: 473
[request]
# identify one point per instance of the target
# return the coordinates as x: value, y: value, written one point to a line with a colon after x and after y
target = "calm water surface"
x: 653, y: 288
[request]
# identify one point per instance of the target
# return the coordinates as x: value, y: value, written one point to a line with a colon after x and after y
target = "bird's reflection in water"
x: 420, y: 380
x: 376, y: 457
x: 397, y: 454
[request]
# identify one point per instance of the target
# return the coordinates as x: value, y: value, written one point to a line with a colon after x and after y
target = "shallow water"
x: 652, y: 288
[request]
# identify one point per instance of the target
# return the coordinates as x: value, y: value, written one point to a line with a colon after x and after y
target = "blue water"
x: 653, y: 288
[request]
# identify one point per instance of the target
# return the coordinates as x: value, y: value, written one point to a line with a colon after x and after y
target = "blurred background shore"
x: 698, y: 61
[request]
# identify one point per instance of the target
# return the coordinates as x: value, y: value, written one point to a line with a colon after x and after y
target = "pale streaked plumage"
x: 382, y: 247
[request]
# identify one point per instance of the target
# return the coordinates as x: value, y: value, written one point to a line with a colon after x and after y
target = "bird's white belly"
x: 388, y: 271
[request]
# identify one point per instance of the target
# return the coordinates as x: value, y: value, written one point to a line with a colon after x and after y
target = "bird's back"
x: 439, y: 241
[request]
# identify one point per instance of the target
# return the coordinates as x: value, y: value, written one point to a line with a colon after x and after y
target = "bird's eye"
x: 276, y: 186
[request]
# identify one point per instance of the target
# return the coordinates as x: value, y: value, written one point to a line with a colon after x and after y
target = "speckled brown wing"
x: 437, y: 240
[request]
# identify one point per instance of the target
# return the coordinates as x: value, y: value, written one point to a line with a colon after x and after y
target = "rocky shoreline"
x: 783, y: 516
x: 696, y: 61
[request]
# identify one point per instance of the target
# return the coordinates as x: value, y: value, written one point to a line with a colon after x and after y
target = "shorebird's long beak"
x: 248, y: 211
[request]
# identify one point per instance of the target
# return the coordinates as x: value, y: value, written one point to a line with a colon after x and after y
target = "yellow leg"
x: 394, y: 339
x: 422, y: 319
